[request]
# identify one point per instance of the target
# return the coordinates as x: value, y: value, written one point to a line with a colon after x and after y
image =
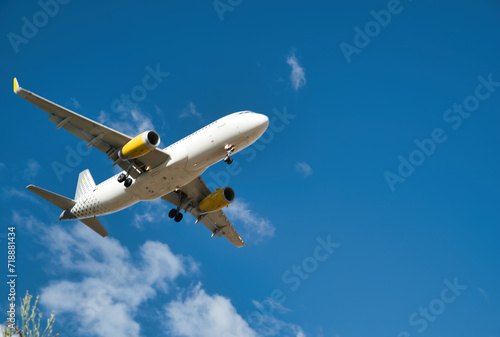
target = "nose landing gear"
x: 229, y: 150
x: 122, y: 177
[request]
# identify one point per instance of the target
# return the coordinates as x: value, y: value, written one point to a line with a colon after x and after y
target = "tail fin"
x: 85, y: 184
x: 55, y: 199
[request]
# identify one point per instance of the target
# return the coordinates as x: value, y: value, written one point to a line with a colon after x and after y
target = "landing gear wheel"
x: 229, y: 148
x: 173, y: 212
x: 128, y: 182
x: 178, y: 217
x: 122, y: 177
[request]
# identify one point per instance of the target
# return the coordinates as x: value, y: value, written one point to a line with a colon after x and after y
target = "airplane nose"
x: 264, y: 120
x: 261, y: 121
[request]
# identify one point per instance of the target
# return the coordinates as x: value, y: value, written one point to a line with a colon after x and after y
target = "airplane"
x: 172, y: 173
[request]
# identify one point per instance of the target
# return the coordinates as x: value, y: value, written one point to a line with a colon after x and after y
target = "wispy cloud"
x: 158, y: 110
x: 254, y: 228
x: 9, y: 192
x: 304, y: 168
x: 131, y: 121
x: 75, y: 103
x: 269, y: 325
x: 31, y: 170
x: 484, y: 293
x: 191, y: 112
x: 298, y: 75
x: 151, y: 211
x: 278, y: 307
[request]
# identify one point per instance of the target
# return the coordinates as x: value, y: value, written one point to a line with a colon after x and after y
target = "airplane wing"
x: 190, y: 195
x: 95, y: 134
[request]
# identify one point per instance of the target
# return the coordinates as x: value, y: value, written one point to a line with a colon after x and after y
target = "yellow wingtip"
x: 16, y: 84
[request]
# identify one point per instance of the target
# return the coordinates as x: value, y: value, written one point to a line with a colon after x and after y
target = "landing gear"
x: 128, y: 182
x: 175, y: 214
x: 123, y: 177
x: 178, y: 217
x: 184, y: 204
x: 229, y: 150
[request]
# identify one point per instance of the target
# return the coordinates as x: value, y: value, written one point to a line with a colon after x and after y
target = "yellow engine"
x: 217, y: 200
x: 140, y: 145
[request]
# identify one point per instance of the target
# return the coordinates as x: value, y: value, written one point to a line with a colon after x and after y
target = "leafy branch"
x: 31, y: 321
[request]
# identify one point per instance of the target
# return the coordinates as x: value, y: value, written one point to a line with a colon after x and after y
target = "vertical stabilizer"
x: 85, y: 185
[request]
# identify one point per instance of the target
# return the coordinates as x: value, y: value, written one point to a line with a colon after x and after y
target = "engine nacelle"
x: 217, y: 200
x: 140, y: 145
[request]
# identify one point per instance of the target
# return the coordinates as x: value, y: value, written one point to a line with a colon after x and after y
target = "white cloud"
x: 158, y: 110
x: 298, y: 75
x: 9, y: 192
x: 269, y: 325
x: 130, y: 121
x: 100, y: 288
x: 192, y: 112
x: 200, y: 314
x: 484, y: 293
x: 278, y: 307
x: 151, y: 211
x: 75, y: 103
x: 32, y: 169
x: 255, y: 227
x: 304, y: 168
x: 111, y: 285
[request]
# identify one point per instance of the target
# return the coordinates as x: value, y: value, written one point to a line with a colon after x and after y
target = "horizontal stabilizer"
x: 54, y: 198
x: 95, y: 225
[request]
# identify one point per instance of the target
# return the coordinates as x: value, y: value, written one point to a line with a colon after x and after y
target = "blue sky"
x: 369, y: 208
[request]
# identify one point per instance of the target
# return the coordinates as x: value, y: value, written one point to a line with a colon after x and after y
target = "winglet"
x: 16, y: 85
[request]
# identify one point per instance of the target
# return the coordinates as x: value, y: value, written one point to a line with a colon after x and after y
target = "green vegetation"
x: 31, y: 318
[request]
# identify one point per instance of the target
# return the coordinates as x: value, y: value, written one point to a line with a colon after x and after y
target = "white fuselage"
x: 189, y: 158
